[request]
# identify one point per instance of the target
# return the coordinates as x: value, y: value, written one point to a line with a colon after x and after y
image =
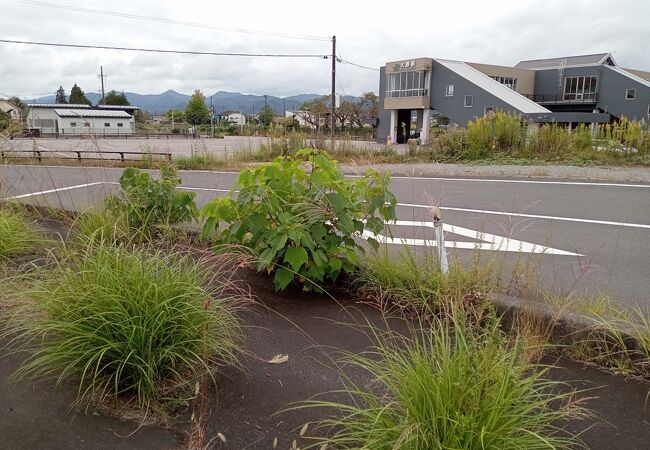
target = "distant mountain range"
x: 222, y: 101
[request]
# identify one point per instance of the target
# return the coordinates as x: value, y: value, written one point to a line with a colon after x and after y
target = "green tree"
x: 316, y: 111
x: 266, y: 116
x: 179, y: 116
x: 116, y: 98
x: 196, y: 112
x: 369, y: 107
x: 19, y: 104
x: 141, y: 116
x: 60, y: 95
x: 77, y: 96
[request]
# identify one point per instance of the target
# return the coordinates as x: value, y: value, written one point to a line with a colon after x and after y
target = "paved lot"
x: 595, y: 236
x: 178, y: 146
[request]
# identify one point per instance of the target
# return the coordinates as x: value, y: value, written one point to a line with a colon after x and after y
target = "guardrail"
x: 79, y: 155
x: 563, y: 98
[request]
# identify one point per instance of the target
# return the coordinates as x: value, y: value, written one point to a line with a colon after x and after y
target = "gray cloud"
x: 369, y: 34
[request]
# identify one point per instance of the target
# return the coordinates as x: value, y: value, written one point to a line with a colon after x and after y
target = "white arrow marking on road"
x: 488, y: 241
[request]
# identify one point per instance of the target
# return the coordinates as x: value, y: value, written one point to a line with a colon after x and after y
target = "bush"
x: 18, y: 235
x: 131, y: 325
x: 145, y: 202
x: 551, y: 141
x: 418, y: 284
x: 198, y: 161
x: 447, y: 387
x: 582, y: 139
x: 104, y: 227
x: 497, y: 131
x: 302, y: 224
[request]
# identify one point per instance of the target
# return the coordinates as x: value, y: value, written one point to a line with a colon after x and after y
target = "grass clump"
x: 18, y: 235
x: 133, y: 327
x: 448, y: 386
x: 198, y: 161
x: 415, y: 282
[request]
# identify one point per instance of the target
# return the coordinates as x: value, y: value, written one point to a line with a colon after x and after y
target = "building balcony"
x: 564, y: 99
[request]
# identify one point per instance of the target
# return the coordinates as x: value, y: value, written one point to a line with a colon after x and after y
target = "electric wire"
x: 151, y: 50
x: 172, y: 21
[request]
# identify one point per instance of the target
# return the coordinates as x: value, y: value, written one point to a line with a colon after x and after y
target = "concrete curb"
x: 565, y: 328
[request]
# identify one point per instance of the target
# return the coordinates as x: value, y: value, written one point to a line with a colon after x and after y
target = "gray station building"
x: 585, y: 89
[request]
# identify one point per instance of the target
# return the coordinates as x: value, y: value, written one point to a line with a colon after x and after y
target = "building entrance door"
x: 403, y: 125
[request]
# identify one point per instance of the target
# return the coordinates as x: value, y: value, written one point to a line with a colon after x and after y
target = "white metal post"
x: 440, y: 241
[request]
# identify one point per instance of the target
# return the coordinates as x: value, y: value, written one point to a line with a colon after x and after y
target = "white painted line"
x: 400, y: 177
x: 488, y: 241
x: 491, y: 180
x: 532, y: 216
x: 50, y: 191
x: 189, y: 188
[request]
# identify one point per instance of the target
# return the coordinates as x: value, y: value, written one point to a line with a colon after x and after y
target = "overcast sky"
x: 368, y: 32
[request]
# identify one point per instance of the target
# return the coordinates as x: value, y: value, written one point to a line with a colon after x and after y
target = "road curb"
x: 565, y: 328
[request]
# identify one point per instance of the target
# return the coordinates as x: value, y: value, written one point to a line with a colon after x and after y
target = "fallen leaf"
x: 279, y: 359
x: 222, y: 437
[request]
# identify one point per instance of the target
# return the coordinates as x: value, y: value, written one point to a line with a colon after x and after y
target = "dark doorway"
x: 403, y: 125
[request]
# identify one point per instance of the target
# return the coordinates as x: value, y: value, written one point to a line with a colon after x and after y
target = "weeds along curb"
x: 564, y: 328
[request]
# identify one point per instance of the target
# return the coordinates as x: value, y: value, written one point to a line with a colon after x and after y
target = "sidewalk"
x: 37, y: 416
x: 553, y: 171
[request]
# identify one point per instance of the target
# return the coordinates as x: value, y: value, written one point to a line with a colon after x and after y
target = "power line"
x: 343, y: 61
x: 175, y: 22
x: 151, y: 50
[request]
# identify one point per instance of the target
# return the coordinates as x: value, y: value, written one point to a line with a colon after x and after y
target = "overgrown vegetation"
x: 413, y: 282
x: 18, y: 234
x: 129, y: 326
x: 302, y: 223
x: 447, y: 385
x: 145, y: 202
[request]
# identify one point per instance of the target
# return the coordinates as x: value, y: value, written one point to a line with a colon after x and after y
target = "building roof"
x: 97, y: 113
x: 117, y: 107
x: 495, y: 88
x: 634, y: 77
x: 58, y: 105
x: 578, y: 60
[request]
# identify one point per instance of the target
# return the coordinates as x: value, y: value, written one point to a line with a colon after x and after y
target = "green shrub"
x: 498, y: 131
x: 137, y: 326
x: 301, y: 223
x: 414, y: 282
x: 198, y: 161
x: 446, y: 387
x: 145, y: 202
x: 104, y: 227
x: 550, y: 141
x: 450, y: 145
x: 582, y: 139
x: 18, y: 235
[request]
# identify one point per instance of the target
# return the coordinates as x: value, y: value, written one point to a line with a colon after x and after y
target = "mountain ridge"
x: 221, y: 101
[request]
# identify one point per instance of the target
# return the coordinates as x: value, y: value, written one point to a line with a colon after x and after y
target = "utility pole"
x: 211, y: 118
x: 101, y: 77
x: 333, y: 92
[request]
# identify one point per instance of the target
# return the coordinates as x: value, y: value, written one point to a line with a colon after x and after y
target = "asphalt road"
x: 594, y: 237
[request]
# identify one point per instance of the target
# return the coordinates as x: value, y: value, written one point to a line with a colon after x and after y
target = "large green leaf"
x: 282, y: 278
x: 296, y: 256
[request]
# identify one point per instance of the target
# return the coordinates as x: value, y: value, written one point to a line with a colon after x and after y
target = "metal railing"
x: 563, y: 98
x: 39, y: 155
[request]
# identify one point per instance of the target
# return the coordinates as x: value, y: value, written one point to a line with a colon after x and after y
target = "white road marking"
x: 400, y: 177
x: 532, y: 216
x: 488, y: 241
x: 492, y: 180
x: 50, y: 191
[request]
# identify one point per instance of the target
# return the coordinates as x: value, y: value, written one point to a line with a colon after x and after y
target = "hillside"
x: 221, y: 100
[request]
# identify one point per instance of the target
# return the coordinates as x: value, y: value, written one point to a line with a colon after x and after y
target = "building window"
x: 73, y: 124
x: 120, y: 125
x: 580, y: 88
x: 509, y: 82
x: 107, y: 124
x: 449, y: 92
x: 469, y: 101
x: 630, y: 94
x: 407, y: 84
